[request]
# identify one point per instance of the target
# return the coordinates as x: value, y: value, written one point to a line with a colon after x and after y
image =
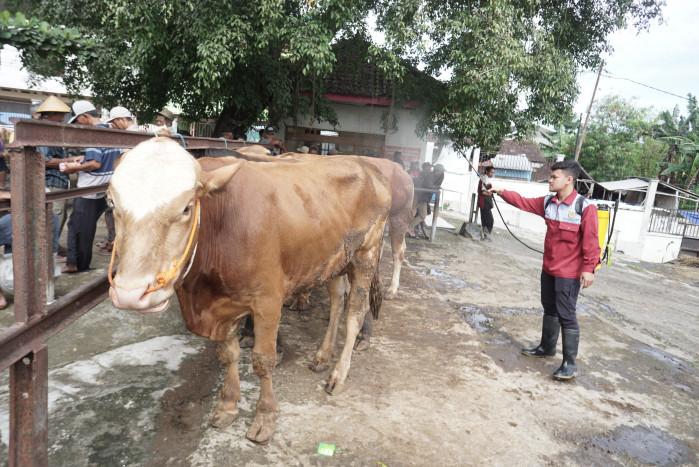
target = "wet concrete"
x: 443, y: 382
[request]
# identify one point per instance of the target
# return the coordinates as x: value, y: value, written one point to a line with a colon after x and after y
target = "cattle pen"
x: 443, y: 382
x: 37, y: 317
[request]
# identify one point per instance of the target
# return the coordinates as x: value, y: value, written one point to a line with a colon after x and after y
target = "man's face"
x: 490, y: 173
x: 559, y: 180
x: 161, y: 121
x: 121, y: 123
x: 82, y: 119
x: 227, y: 135
x: 52, y: 116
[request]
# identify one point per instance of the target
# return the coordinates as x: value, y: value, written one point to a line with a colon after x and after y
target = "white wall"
x: 630, y: 235
x: 367, y: 119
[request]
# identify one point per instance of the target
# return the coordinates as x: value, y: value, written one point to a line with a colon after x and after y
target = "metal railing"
x: 672, y: 222
x: 23, y: 346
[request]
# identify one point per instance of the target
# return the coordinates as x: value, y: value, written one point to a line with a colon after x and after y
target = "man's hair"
x: 571, y: 168
x: 488, y: 169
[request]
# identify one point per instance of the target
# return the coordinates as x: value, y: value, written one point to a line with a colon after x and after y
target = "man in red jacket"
x: 571, y: 254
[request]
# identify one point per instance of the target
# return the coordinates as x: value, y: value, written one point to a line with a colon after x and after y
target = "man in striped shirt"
x: 96, y: 169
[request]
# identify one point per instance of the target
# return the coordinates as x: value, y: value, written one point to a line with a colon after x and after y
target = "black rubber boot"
x: 549, y: 337
x: 568, y: 369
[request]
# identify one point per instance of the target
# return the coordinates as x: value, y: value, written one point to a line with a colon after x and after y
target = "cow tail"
x: 375, y: 296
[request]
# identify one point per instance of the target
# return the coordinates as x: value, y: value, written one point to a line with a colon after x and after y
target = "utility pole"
x: 587, y: 118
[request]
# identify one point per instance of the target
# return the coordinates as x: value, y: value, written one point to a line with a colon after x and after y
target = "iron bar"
x: 29, y: 401
x: 21, y: 338
x: 29, y: 132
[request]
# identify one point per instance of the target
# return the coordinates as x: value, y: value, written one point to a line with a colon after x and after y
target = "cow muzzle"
x: 137, y: 299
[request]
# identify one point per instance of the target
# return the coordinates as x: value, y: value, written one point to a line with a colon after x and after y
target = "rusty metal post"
x: 50, y: 261
x: 29, y: 376
x: 29, y: 399
x: 435, y: 216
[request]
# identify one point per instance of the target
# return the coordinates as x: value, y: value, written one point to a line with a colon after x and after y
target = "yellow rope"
x: 163, y: 278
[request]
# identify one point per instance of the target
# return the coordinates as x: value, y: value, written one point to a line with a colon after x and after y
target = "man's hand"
x: 586, y: 279
x: 495, y: 189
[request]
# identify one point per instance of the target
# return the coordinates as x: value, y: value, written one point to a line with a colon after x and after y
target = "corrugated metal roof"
x: 628, y: 184
x: 512, y: 161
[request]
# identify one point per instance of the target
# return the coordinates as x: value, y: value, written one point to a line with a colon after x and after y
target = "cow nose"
x: 133, y: 299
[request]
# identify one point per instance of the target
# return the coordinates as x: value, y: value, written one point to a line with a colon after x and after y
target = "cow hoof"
x: 247, y: 342
x: 262, y: 428
x: 361, y: 344
x: 389, y: 295
x: 334, y: 387
x: 318, y: 366
x: 221, y: 419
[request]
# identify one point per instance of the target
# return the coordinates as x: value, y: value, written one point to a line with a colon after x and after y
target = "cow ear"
x: 212, y: 181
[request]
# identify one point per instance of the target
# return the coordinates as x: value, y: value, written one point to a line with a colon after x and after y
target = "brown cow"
x: 402, y: 191
x: 247, y: 235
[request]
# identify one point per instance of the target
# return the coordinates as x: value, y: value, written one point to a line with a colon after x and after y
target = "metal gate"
x: 24, y: 345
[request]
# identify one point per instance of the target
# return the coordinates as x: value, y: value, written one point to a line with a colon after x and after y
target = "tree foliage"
x: 509, y: 63
x: 618, y: 142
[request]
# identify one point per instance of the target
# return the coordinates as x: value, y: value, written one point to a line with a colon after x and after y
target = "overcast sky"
x: 666, y: 57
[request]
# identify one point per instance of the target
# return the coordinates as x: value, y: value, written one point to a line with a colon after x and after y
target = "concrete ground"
x: 442, y: 384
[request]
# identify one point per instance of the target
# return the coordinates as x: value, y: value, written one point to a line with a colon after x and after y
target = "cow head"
x: 154, y: 193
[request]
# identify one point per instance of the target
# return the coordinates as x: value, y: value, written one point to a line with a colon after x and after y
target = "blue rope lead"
x: 182, y: 138
x: 224, y: 140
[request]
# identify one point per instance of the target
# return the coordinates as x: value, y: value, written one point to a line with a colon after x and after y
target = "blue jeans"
x: 6, y: 232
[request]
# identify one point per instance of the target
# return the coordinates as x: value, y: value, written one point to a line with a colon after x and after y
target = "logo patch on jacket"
x: 571, y: 214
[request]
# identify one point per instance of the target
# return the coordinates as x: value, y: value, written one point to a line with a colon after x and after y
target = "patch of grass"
x: 634, y: 267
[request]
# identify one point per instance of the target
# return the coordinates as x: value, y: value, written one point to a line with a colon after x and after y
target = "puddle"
x: 454, y: 282
x: 647, y: 446
x: 520, y: 311
x: 658, y: 354
x: 474, y: 317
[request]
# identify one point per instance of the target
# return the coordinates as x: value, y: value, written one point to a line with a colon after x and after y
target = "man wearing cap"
x: 55, y: 110
x: 96, y: 169
x: 267, y: 137
x: 164, y: 118
x: 121, y: 119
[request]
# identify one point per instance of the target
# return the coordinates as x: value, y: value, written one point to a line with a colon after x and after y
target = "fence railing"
x: 674, y: 222
x: 23, y: 346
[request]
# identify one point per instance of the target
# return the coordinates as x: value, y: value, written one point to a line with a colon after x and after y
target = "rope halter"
x: 165, y: 277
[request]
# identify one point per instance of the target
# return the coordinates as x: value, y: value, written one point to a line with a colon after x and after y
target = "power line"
x: 609, y: 75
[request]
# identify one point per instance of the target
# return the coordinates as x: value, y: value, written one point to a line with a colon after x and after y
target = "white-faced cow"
x: 234, y: 238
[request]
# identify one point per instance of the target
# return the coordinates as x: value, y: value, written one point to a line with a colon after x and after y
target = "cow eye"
x: 186, y: 210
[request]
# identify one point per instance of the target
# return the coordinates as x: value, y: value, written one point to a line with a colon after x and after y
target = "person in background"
x: 414, y: 170
x: 267, y: 137
x: 422, y: 198
x: 333, y: 152
x: 121, y: 119
x: 314, y: 150
x: 227, y: 133
x: 485, y: 202
x: 4, y: 169
x: 398, y: 159
x: 55, y: 110
x: 303, y: 149
x: 571, y: 254
x: 96, y: 169
x: 164, y: 118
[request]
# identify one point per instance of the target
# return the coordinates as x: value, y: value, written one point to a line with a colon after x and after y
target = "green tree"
x: 618, y: 142
x: 509, y: 62
x: 681, y: 133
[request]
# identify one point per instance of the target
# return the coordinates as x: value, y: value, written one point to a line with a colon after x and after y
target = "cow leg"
x: 398, y: 248
x: 321, y: 362
x: 357, y: 306
x: 226, y: 410
x: 263, y: 362
x: 364, y: 337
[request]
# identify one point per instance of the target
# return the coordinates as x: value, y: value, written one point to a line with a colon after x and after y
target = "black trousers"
x: 81, y: 230
x: 487, y: 218
x: 559, y: 296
